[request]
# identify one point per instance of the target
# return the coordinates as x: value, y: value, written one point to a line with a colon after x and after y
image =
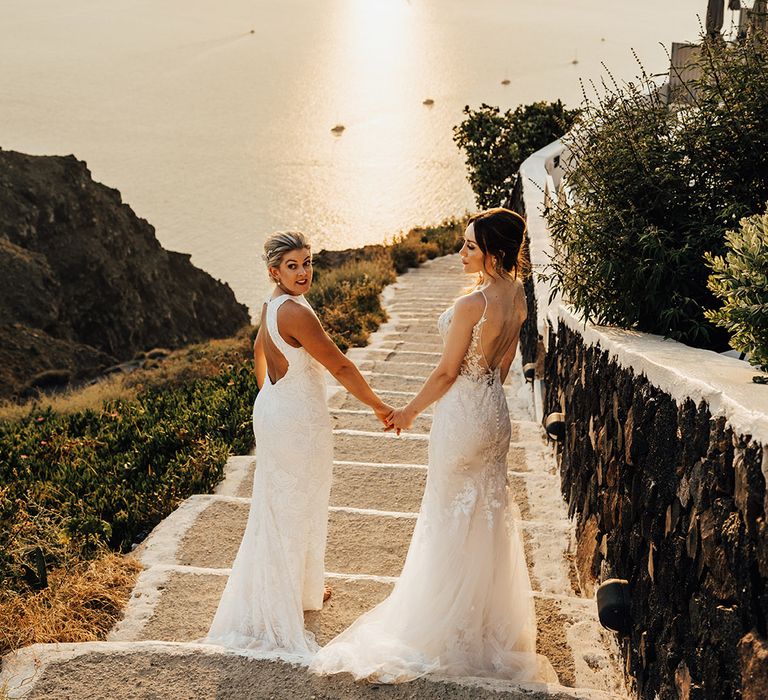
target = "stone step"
x: 402, y: 343
x: 360, y: 541
x: 378, y: 487
x: 345, y: 401
x: 418, y: 329
x: 434, y: 285
x: 395, y: 356
x: 362, y: 419
x: 419, y: 313
x: 416, y: 310
x: 386, y: 447
x: 394, y: 366
x: 420, y: 332
x: 366, y: 542
x: 385, y: 451
x: 425, y: 340
x: 188, y: 600
x: 386, y: 381
x: 375, y: 485
x: 144, y: 670
x: 434, y: 301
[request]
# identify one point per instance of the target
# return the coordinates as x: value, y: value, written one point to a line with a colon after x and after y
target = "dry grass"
x: 194, y: 361
x: 81, y: 604
x: 191, y: 362
x: 72, y: 401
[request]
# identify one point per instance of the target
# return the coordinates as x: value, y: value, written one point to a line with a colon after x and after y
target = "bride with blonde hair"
x: 279, y: 569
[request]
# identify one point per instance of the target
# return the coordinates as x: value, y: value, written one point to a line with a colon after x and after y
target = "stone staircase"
x: 377, y: 488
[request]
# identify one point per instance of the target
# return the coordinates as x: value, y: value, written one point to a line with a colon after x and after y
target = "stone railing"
x: 663, y: 464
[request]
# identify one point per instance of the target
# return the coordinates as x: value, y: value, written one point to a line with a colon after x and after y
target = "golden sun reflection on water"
x: 214, y: 120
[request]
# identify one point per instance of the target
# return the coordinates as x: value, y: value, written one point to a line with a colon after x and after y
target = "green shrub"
x: 408, y: 251
x: 446, y: 238
x: 74, y: 482
x: 653, y: 187
x: 497, y: 143
x: 740, y: 281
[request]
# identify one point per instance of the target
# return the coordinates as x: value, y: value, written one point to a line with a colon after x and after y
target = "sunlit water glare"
x: 214, y: 119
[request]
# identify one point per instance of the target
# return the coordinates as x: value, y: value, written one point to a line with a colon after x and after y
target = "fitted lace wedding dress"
x: 279, y: 569
x: 463, y: 604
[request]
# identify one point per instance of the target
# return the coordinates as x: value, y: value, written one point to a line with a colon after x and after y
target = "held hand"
x: 383, y: 413
x: 402, y: 419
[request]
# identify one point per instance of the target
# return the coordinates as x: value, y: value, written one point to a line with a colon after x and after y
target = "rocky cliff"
x: 84, y: 283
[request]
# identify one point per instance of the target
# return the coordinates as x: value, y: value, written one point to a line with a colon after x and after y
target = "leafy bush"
x: 408, y: 252
x: 442, y: 239
x: 655, y: 186
x: 74, y: 482
x: 497, y: 143
x: 740, y: 280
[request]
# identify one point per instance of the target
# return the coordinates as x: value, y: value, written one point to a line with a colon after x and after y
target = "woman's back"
x: 504, y: 315
x: 281, y: 355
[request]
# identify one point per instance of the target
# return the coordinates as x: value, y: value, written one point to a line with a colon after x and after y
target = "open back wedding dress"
x: 279, y: 569
x: 462, y: 605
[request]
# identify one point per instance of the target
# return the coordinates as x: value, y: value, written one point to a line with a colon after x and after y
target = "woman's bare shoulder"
x: 292, y: 314
x: 470, y: 306
x: 519, y: 299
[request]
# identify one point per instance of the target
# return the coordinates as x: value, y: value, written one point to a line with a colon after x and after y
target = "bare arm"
x: 299, y: 324
x: 467, y: 313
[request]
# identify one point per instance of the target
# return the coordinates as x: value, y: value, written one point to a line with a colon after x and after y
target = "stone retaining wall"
x: 672, y: 500
x: 663, y: 466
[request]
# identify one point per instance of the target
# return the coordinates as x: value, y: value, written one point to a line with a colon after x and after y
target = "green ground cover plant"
x: 740, y: 282
x: 72, y: 483
x: 496, y: 143
x: 655, y: 185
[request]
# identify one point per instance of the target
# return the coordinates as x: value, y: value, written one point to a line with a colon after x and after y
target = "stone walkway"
x: 377, y: 488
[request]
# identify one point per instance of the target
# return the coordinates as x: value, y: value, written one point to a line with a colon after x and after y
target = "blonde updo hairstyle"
x: 280, y: 243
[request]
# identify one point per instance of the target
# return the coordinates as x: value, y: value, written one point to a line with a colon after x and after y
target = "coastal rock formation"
x: 85, y: 282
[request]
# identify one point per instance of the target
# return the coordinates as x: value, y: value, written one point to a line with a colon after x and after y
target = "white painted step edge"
x: 23, y: 668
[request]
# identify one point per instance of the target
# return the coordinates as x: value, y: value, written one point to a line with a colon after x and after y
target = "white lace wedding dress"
x: 279, y: 569
x: 463, y: 604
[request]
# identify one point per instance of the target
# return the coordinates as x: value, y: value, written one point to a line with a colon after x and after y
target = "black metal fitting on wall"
x: 555, y: 426
x: 614, y: 605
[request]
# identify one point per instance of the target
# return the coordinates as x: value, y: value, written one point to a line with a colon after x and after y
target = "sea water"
x: 214, y: 119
